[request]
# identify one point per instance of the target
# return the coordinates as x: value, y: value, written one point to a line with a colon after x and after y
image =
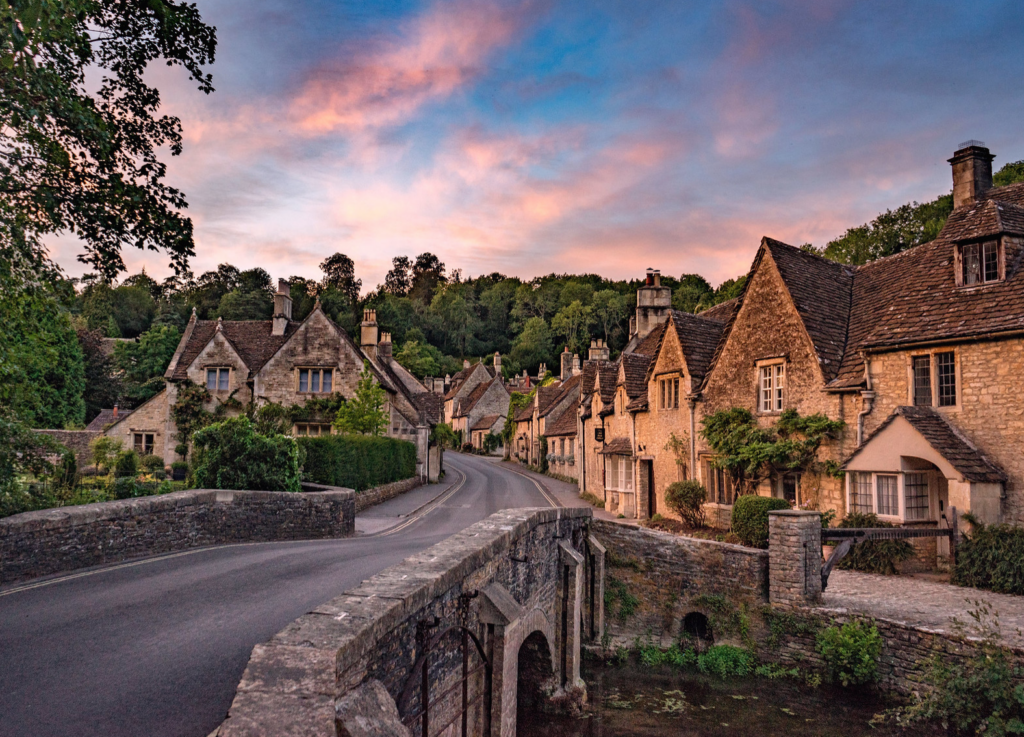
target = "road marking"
x: 425, y: 510
x: 544, y: 492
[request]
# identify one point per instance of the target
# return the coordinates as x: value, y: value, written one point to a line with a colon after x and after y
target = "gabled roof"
x: 430, y: 406
x: 251, y: 339
x: 524, y: 413
x: 982, y: 219
x: 699, y: 337
x: 721, y: 312
x: 634, y: 373
x: 947, y: 442
x: 565, y: 425
x: 566, y: 388
x: 106, y: 417
x: 486, y: 422
x: 467, y: 404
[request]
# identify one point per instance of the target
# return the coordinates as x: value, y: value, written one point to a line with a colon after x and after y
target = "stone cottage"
x: 287, y: 362
x: 919, y: 354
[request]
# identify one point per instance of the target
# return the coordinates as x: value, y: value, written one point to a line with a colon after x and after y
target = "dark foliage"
x: 991, y: 557
x: 232, y: 455
x: 357, y: 461
x: 874, y: 556
x: 750, y: 518
x: 686, y: 498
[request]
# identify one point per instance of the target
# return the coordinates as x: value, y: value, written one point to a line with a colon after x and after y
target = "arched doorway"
x: 697, y: 628
x: 535, y: 678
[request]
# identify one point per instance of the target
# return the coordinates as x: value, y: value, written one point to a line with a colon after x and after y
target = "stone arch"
x: 536, y: 677
x: 697, y: 627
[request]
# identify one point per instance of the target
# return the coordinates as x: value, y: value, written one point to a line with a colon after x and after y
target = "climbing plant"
x: 751, y: 453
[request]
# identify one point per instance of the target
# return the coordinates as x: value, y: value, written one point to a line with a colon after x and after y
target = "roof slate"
x: 699, y: 337
x: 617, y: 446
x: 565, y: 425
x: 947, y: 442
x: 486, y: 422
x: 106, y: 417
x: 251, y: 339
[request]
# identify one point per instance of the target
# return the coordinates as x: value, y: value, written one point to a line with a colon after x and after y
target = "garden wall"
x: 55, y: 540
x: 372, y: 497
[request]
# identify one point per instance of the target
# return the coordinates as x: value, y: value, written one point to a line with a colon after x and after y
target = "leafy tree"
x: 729, y: 289
x: 575, y: 291
x: 364, y: 413
x: 122, y: 312
x: 239, y: 305
x: 572, y: 323
x: 78, y: 152
x: 427, y: 273
x: 693, y: 291
x: 189, y: 413
x: 206, y: 292
x: 303, y: 294
x: 891, y: 232
x: 105, y: 451
x: 102, y: 386
x: 456, y: 314
x: 255, y: 280
x: 340, y: 273
x: 23, y: 451
x: 398, y: 281
x: 395, y: 314
x: 142, y: 364
x: 1010, y: 174
x: 532, y: 346
x: 609, y: 311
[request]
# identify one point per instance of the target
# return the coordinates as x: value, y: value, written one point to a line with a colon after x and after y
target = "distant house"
x: 287, y: 362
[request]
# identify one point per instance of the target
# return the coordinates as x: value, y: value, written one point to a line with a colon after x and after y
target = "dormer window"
x: 980, y: 263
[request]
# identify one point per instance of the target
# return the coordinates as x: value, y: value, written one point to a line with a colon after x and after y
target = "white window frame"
x: 771, y: 387
x: 901, y: 494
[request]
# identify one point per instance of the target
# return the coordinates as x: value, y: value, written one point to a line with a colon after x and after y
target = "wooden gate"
x: 420, y: 675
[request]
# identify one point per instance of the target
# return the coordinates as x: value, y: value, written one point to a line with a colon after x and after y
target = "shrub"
x: 151, y: 463
x: 686, y: 498
x: 123, y: 487
x: 105, y: 451
x: 750, y: 518
x: 992, y: 557
x: 357, y: 461
x: 179, y: 469
x: 874, y: 556
x: 725, y: 661
x: 231, y: 455
x: 851, y: 652
x: 126, y: 465
x: 65, y: 473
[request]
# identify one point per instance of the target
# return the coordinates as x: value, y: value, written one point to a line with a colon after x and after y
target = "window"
x: 923, y: 381
x: 316, y: 380
x: 980, y: 263
x: 888, y: 495
x: 860, y: 493
x: 142, y: 443
x: 772, y: 385
x: 945, y: 367
x: 915, y: 492
x: 619, y: 473
x: 719, y: 484
x: 789, y: 485
x: 217, y: 379
x: 669, y: 389
x: 312, y: 429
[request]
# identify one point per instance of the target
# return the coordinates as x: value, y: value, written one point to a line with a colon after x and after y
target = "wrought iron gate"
x: 850, y: 536
x: 421, y: 674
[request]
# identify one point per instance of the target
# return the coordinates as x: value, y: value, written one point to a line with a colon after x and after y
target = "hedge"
x: 991, y: 557
x: 232, y: 455
x: 750, y: 518
x: 357, y: 461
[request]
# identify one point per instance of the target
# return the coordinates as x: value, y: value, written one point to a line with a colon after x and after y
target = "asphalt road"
x: 157, y: 647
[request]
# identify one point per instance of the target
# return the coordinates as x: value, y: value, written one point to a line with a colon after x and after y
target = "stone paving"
x: 921, y: 603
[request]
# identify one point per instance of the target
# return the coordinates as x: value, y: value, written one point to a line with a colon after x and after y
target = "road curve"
x: 157, y: 647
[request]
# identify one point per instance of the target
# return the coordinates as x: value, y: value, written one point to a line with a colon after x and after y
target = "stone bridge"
x: 490, y: 617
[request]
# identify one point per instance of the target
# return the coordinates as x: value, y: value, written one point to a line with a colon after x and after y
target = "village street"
x: 157, y: 647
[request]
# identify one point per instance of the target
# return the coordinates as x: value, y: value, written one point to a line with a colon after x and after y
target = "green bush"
x: 126, y: 465
x: 851, y: 652
x: 726, y: 661
x: 750, y: 518
x: 65, y: 473
x: 992, y: 557
x: 123, y: 487
x: 686, y: 498
x: 232, y: 455
x: 357, y: 461
x: 151, y: 463
x: 874, y: 556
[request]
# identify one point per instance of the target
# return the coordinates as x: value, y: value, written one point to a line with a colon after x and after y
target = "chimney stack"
x: 972, y: 172
x: 368, y: 334
x: 599, y: 351
x: 575, y: 364
x: 282, y: 307
x: 497, y: 363
x: 653, y: 302
x: 384, y: 347
x: 566, y: 364
x: 465, y: 363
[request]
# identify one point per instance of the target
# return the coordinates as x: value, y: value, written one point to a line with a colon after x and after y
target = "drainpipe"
x: 691, y: 402
x: 868, y: 397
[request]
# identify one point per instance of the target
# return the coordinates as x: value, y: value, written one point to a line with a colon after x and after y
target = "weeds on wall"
x: 725, y: 618
x: 618, y: 601
x: 851, y: 652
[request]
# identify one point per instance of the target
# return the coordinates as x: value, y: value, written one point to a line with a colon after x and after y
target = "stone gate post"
x: 794, y: 557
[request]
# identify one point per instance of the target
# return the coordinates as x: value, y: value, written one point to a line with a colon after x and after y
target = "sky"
x: 581, y: 136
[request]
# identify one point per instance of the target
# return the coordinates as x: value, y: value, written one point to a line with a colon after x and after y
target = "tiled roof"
x: 634, y: 372
x: 649, y: 345
x: 699, y: 337
x: 722, y: 311
x: 251, y: 339
x: 983, y: 218
x: 608, y: 374
x: 429, y: 404
x: 565, y: 425
x: 618, y: 447
x: 1012, y: 193
x: 567, y: 387
x: 546, y: 395
x: 946, y: 441
x: 638, y: 404
x: 469, y: 402
x: 106, y: 417
x: 524, y: 413
x: 486, y: 423
x: 821, y: 292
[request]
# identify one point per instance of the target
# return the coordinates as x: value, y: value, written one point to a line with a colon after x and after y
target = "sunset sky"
x: 533, y: 136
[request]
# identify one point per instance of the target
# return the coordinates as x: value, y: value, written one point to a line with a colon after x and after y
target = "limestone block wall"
x: 990, y: 412
x: 672, y: 576
x: 499, y: 577
x: 56, y: 540
x: 220, y: 353
x: 149, y: 418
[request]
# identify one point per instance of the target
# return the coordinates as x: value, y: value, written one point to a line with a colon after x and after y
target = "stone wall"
x: 672, y: 576
x: 501, y: 578
x: 372, y: 497
x: 150, y: 418
x: 77, y: 441
x: 56, y: 540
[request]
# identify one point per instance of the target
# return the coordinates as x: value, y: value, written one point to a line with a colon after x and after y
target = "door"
x: 652, y: 494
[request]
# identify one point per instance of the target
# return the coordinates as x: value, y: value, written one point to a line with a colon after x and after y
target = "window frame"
x: 668, y: 392
x: 719, y: 483
x: 775, y: 370
x: 320, y: 373
x: 988, y: 257
x: 901, y: 515
x: 139, y: 444
x: 938, y: 395
x: 222, y: 375
x: 307, y: 426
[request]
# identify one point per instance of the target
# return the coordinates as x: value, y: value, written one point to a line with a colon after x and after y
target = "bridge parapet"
x: 454, y: 617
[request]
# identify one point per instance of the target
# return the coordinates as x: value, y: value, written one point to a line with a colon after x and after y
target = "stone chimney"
x: 384, y: 347
x: 368, y: 333
x: 972, y: 172
x: 115, y: 413
x: 653, y: 302
x: 599, y: 351
x: 566, y: 364
x: 282, y: 307
x: 465, y: 363
x: 575, y: 364
x: 497, y: 363
x: 542, y: 371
